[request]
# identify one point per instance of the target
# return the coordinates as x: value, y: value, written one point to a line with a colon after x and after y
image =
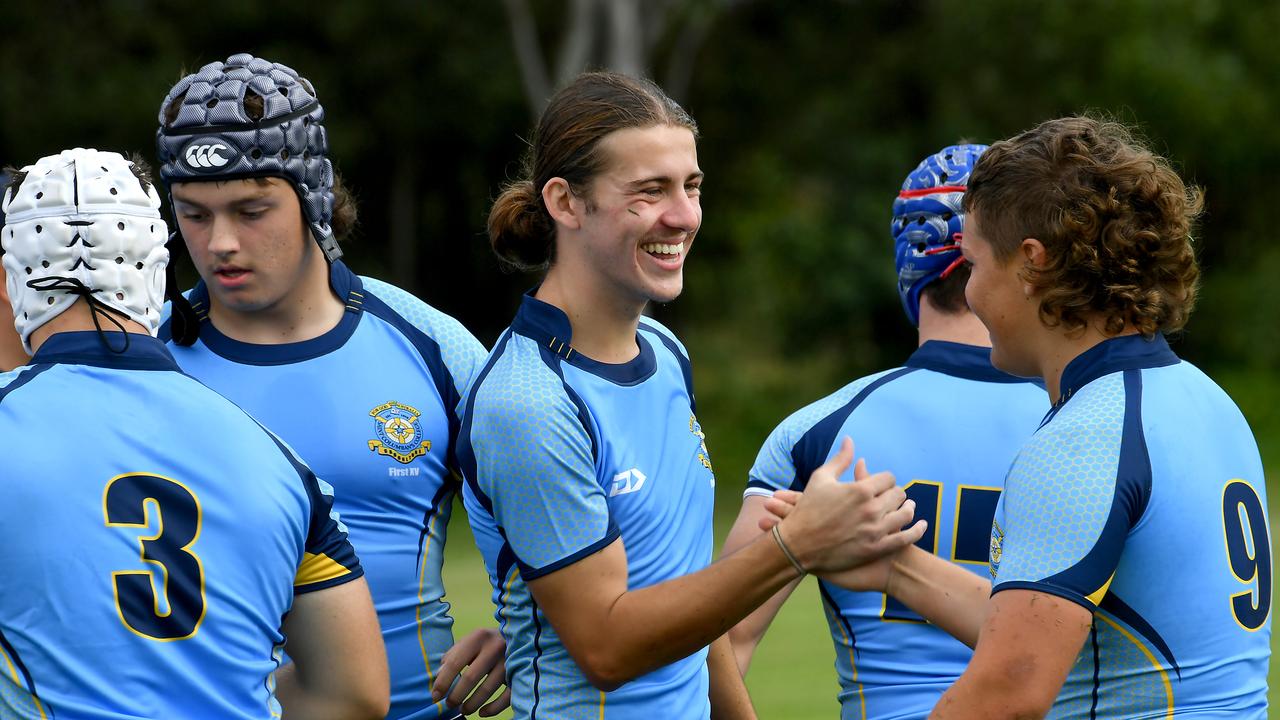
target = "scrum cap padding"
x: 214, y: 136
x: 83, y: 215
x: 928, y: 219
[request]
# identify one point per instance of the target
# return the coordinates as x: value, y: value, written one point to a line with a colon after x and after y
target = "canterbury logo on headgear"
x: 208, y: 154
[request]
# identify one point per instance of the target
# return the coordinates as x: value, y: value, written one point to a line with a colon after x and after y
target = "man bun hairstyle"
x: 566, y: 145
x: 1114, y: 218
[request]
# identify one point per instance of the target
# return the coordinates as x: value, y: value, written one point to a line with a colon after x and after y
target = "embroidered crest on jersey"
x: 704, y: 455
x: 997, y: 548
x: 399, y: 432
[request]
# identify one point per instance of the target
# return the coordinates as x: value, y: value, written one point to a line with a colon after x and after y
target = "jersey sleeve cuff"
x: 760, y: 490
x: 1063, y: 593
x: 528, y: 572
x: 354, y: 574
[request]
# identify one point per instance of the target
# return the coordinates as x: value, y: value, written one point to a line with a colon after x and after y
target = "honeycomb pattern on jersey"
x: 1060, y: 489
x: 533, y: 459
x: 1130, y: 684
x: 463, y: 355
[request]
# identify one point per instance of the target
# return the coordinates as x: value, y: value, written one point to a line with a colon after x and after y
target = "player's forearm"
x: 728, y: 694
x: 991, y: 696
x: 747, y: 634
x: 660, y: 624
x: 945, y: 594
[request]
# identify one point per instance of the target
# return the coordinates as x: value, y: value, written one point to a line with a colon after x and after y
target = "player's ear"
x: 1034, y: 257
x: 563, y: 206
x: 1033, y: 252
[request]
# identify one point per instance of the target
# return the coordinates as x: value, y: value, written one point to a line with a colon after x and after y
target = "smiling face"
x: 1002, y: 299
x: 248, y: 241
x: 641, y: 214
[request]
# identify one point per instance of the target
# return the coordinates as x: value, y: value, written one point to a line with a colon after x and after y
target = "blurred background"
x: 811, y: 114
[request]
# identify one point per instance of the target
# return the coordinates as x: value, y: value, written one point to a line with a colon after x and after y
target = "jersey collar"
x: 1127, y: 352
x: 84, y: 347
x: 548, y: 326
x: 345, y: 284
x: 958, y: 360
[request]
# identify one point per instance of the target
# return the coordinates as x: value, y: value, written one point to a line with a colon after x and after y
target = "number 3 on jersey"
x: 1248, y: 552
x: 135, y: 501
x: 975, y: 508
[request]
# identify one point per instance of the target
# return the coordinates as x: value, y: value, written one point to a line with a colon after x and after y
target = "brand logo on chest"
x: 398, y: 431
x: 628, y: 481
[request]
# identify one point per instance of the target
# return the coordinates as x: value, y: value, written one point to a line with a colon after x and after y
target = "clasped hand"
x: 846, y: 532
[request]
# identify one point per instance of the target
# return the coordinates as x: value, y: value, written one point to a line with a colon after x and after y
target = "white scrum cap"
x: 83, y: 215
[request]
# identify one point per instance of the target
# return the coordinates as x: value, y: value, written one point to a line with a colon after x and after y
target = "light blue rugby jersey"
x: 373, y: 406
x: 562, y: 456
x: 1142, y: 499
x: 948, y: 426
x: 157, y: 536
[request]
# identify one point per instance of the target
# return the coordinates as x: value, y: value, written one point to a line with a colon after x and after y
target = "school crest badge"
x: 399, y: 434
x: 997, y: 548
x: 704, y: 455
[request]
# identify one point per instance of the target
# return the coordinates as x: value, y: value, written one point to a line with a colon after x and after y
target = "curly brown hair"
x: 1115, y: 220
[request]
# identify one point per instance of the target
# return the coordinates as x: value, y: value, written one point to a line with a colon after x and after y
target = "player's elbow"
x: 375, y: 705
x: 1023, y: 693
x: 743, y: 640
x: 366, y: 701
x: 606, y: 669
x: 604, y: 675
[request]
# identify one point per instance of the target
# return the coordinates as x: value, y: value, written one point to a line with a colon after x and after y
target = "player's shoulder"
x: 1098, y: 407
x: 519, y: 381
x: 519, y: 401
x: 1079, y: 442
x: 402, y: 307
x: 845, y: 400
x: 664, y: 333
x: 14, y: 379
x: 6, y: 378
x: 803, y: 440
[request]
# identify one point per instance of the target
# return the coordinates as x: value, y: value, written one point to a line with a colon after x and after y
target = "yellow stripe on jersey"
x: 417, y: 610
x: 318, y: 568
x: 853, y: 663
x: 1164, y: 676
x: 1096, y: 596
x: 19, y: 686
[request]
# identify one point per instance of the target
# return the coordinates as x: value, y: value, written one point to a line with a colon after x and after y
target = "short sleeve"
x: 774, y: 468
x: 1072, y: 495
x: 535, y: 464
x: 328, y: 558
x: 804, y: 441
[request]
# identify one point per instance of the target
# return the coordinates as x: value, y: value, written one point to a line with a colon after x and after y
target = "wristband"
x: 777, y: 537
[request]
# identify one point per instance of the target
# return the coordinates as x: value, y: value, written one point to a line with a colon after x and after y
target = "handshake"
x: 846, y: 532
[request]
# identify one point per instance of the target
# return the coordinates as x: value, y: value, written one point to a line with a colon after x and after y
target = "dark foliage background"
x: 811, y: 114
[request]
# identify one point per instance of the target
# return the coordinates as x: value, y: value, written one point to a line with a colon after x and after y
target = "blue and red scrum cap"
x: 213, y: 137
x: 928, y: 221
